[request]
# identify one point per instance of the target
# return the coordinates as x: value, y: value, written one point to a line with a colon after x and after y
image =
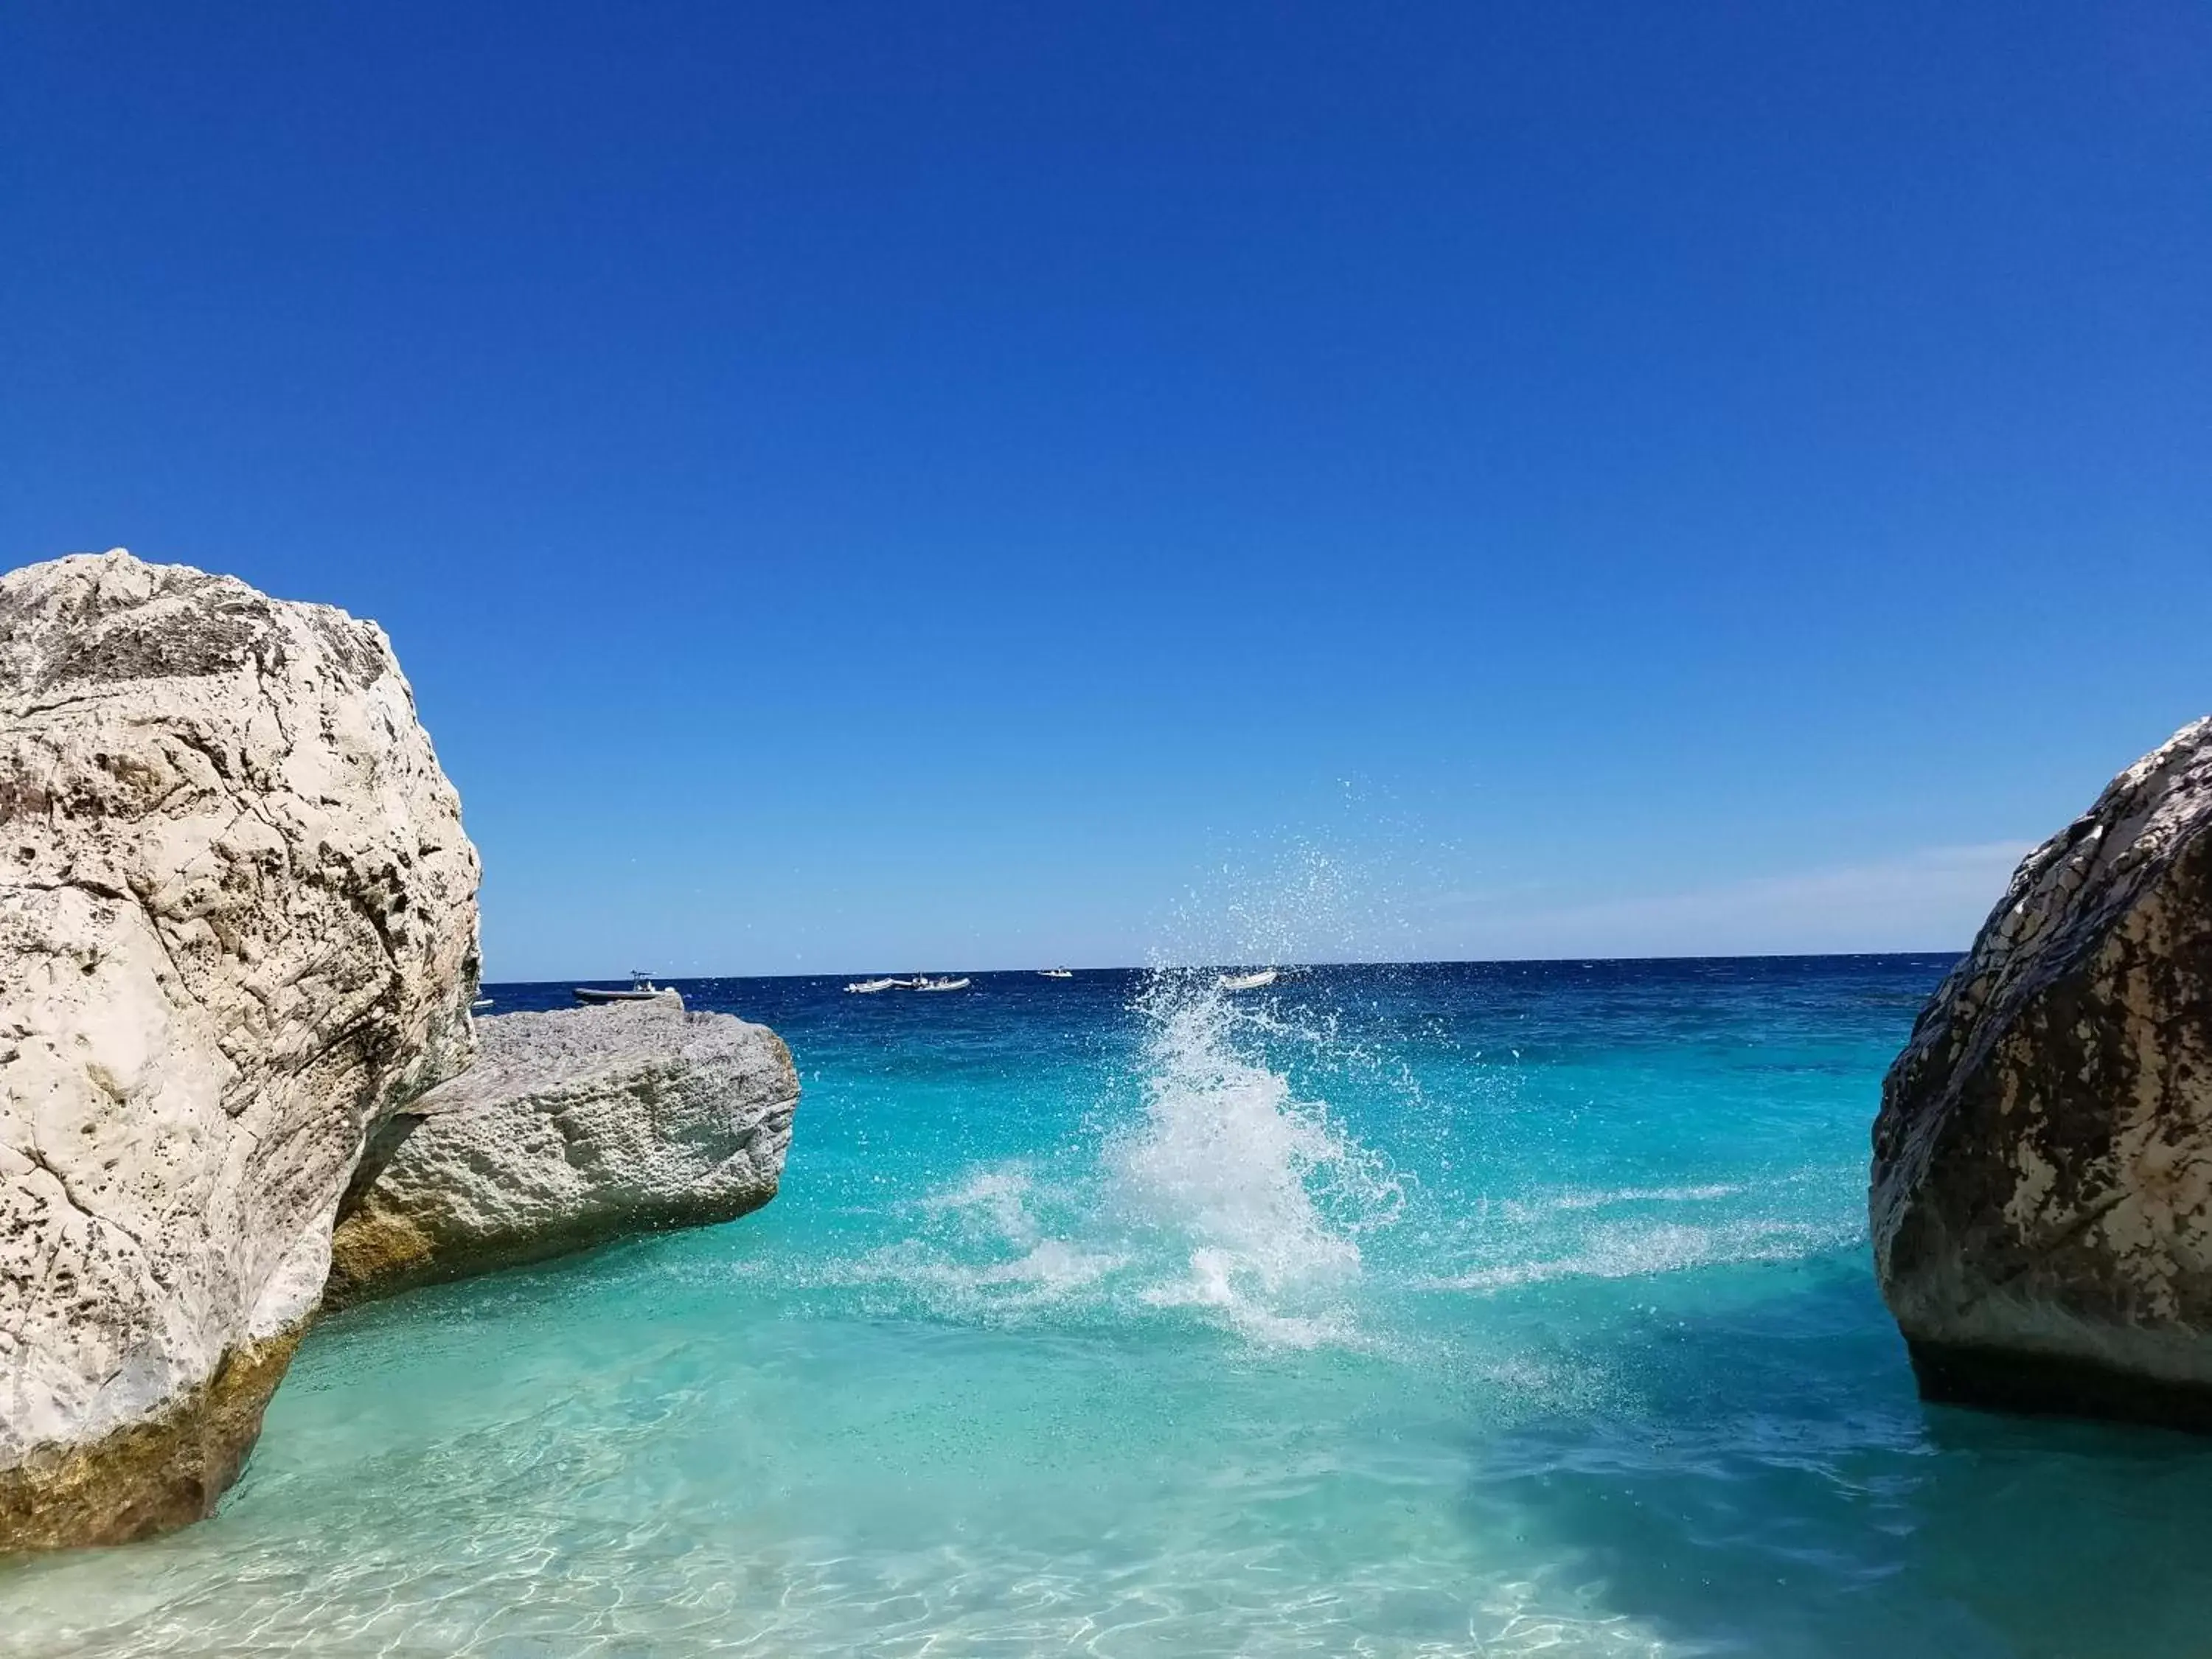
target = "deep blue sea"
x: 1448, y: 1310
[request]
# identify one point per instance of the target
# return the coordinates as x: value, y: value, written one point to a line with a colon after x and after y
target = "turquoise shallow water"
x: 1439, y: 1310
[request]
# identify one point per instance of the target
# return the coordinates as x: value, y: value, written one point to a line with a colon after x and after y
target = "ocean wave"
x: 1624, y: 1251
x: 1704, y: 1194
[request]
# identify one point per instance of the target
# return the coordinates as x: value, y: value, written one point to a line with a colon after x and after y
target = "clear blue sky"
x: 928, y: 485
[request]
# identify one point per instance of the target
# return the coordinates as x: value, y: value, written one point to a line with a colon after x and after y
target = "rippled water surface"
x: 1440, y: 1310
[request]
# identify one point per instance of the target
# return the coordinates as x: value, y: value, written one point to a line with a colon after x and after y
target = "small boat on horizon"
x: 1252, y: 982
x: 869, y: 987
x: 1055, y: 972
x: 926, y: 983
x: 642, y: 989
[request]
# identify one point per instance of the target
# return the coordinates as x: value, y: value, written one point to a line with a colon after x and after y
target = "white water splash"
x: 1224, y: 1194
x: 1260, y: 1192
x: 1299, y: 904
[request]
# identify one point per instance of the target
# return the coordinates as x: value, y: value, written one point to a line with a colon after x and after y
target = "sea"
x: 1445, y: 1310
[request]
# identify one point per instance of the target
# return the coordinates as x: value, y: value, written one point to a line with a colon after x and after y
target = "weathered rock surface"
x: 238, y: 929
x: 2042, y: 1193
x: 573, y: 1127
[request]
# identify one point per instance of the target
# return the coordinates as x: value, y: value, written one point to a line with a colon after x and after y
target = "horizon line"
x: 1370, y: 961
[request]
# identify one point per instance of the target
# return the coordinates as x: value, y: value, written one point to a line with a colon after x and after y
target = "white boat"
x: 869, y: 987
x: 481, y: 1002
x: 642, y: 989
x: 1055, y: 972
x: 926, y: 983
x: 1252, y: 982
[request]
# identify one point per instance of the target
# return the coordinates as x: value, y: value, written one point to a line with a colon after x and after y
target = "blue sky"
x: 967, y: 485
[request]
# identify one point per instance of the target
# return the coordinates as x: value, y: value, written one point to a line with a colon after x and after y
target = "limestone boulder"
x: 575, y: 1126
x: 2041, y: 1201
x: 238, y: 930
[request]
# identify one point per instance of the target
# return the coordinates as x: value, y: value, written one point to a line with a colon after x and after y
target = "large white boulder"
x: 2042, y: 1191
x: 575, y: 1126
x: 238, y: 930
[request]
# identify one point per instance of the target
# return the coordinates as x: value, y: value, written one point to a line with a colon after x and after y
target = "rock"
x: 573, y: 1127
x: 2042, y: 1193
x: 238, y: 929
